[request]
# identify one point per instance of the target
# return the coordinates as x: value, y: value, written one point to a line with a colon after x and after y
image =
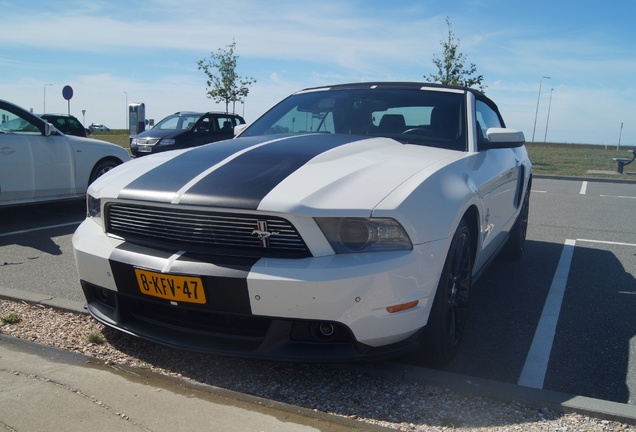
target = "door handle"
x: 6, y: 150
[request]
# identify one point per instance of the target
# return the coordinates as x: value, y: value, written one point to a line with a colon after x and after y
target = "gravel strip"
x: 347, y: 393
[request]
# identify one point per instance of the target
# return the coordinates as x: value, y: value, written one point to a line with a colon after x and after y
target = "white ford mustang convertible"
x: 347, y: 223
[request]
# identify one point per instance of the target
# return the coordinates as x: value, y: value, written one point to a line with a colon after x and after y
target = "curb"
x: 589, y: 179
x: 501, y: 391
x: 41, y: 299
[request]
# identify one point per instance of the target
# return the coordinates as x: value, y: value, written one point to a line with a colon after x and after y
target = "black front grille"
x: 204, y: 232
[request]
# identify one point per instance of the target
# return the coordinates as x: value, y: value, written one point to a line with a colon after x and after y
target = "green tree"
x: 224, y: 85
x: 450, y: 65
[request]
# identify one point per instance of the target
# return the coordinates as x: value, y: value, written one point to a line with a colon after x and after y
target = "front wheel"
x: 447, y: 320
x: 101, y: 168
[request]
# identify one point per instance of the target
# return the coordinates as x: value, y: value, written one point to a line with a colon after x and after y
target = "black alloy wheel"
x: 447, y: 321
x: 517, y: 239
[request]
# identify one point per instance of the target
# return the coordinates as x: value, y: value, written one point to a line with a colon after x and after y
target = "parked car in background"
x: 98, y: 127
x: 348, y: 222
x: 185, y: 129
x: 67, y: 124
x: 40, y: 163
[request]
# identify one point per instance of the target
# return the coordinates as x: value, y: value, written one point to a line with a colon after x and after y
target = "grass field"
x: 547, y: 158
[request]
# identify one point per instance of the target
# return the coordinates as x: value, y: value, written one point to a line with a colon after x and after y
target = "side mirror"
x: 498, y: 138
x: 49, y: 129
x: 239, y: 129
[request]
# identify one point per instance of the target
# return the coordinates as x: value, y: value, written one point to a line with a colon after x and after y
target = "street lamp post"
x: 545, y: 138
x: 44, y: 107
x: 127, y: 127
x: 537, y: 111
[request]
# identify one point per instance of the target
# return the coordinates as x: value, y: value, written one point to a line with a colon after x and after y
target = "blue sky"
x: 117, y: 52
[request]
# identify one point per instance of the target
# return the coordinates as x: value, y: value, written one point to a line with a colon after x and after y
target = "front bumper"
x: 314, y: 309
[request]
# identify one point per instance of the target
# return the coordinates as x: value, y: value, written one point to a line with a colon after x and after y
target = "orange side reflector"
x: 402, y: 307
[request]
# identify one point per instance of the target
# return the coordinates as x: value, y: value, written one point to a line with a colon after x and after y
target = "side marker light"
x: 402, y: 307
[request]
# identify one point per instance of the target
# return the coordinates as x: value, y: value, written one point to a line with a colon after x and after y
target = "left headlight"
x: 351, y: 235
x: 94, y: 209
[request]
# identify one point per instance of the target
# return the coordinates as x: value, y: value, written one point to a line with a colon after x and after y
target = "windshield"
x: 411, y: 116
x: 178, y: 122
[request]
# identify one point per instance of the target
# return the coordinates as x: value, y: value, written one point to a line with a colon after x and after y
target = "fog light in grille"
x: 105, y: 296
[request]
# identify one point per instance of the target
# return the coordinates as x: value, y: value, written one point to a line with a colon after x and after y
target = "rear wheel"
x: 446, y: 323
x: 517, y: 239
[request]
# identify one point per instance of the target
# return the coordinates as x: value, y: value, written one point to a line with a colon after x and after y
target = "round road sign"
x: 67, y: 92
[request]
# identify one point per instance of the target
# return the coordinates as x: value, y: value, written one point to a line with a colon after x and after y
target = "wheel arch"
x: 96, y: 167
x: 471, y: 216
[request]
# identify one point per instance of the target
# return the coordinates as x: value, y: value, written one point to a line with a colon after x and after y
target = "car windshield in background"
x: 178, y: 122
x: 409, y: 116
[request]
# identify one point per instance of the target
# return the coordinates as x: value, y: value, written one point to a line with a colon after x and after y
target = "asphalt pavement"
x: 44, y: 388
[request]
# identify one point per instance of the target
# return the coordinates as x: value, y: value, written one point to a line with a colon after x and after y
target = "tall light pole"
x: 545, y: 138
x: 127, y: 127
x: 537, y: 111
x: 44, y: 107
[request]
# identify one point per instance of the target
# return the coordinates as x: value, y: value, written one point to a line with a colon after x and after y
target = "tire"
x: 517, y: 239
x: 449, y: 312
x: 101, y: 168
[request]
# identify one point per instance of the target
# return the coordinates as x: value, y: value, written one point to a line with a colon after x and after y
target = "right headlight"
x: 353, y: 234
x: 94, y: 209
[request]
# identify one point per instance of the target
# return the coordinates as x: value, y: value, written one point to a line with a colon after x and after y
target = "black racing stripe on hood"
x: 162, y: 182
x: 247, y: 179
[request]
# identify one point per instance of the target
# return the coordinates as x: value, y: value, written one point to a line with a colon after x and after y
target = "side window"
x: 188, y: 122
x: 12, y: 123
x: 486, y: 118
x: 205, y: 126
x: 226, y: 124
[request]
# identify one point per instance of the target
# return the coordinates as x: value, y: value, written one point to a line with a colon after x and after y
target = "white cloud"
x: 150, y: 49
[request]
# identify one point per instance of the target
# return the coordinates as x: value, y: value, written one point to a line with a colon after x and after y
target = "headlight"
x: 94, y: 209
x: 133, y: 141
x: 348, y: 235
x: 167, y: 141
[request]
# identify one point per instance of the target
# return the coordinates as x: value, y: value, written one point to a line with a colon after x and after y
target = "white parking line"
x: 583, y: 188
x: 607, y: 242
x: 536, y: 365
x: 619, y: 196
x: 39, y: 229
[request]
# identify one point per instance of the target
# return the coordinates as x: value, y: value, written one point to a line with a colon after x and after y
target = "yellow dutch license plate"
x: 177, y: 288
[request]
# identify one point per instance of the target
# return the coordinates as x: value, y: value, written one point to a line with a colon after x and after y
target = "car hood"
x: 159, y: 133
x: 98, y: 148
x: 300, y: 174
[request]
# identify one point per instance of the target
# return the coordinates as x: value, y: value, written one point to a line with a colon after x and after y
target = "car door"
x: 225, y: 126
x: 498, y: 183
x: 214, y: 127
x: 33, y: 166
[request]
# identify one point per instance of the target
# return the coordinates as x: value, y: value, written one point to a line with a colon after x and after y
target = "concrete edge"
x: 505, y: 392
x: 42, y: 299
x: 177, y: 385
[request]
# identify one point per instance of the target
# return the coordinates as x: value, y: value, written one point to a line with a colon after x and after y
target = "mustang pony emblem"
x: 263, y: 234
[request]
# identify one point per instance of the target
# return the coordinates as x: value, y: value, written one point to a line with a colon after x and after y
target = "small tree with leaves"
x: 225, y: 85
x: 450, y: 66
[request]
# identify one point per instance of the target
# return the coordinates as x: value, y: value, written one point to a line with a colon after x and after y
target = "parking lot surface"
x: 559, y: 319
